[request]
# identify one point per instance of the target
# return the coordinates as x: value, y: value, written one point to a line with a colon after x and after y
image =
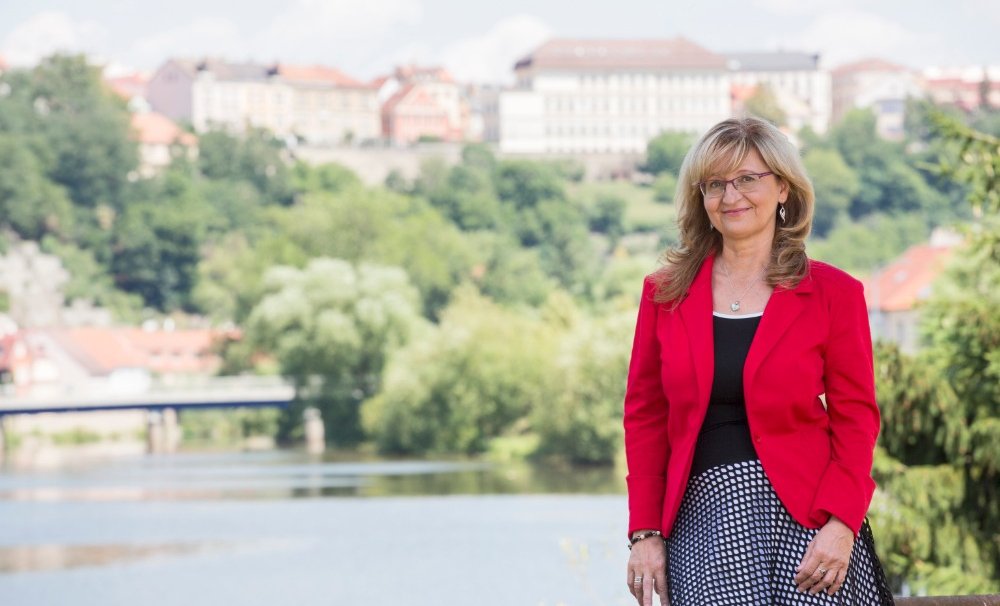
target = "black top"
x: 725, y: 435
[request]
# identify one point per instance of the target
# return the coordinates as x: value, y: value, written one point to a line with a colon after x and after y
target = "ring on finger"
x: 638, y: 580
x: 821, y: 571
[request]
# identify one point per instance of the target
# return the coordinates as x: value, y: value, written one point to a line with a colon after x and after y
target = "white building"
x: 878, y: 85
x: 609, y: 96
x: 802, y: 89
x: 316, y: 104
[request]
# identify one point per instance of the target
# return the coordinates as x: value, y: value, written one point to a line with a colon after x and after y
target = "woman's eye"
x: 746, y: 179
x: 716, y: 184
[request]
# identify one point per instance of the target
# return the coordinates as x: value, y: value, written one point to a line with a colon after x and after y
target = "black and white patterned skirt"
x: 735, y: 543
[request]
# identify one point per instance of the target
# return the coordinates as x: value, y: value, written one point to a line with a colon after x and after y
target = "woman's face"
x: 747, y: 214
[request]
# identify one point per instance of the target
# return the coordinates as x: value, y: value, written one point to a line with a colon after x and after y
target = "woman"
x: 750, y: 414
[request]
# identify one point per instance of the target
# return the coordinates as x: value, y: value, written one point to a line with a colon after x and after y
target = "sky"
x: 480, y: 41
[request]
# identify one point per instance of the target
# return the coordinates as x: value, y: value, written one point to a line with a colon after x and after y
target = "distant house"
x: 878, y: 85
x: 422, y: 102
x: 314, y: 104
x: 801, y: 88
x: 894, y: 294
x: 582, y: 96
x: 109, y: 361
x: 967, y: 88
x: 159, y: 138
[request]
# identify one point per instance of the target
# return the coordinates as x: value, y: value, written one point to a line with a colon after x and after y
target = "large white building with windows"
x: 611, y: 96
x: 314, y: 104
x: 800, y: 87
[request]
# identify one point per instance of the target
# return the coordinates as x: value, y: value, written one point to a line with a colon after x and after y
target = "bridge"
x: 162, y: 401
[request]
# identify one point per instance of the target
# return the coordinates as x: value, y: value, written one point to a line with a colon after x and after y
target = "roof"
x: 225, y: 70
x: 153, y: 128
x: 411, y: 95
x: 103, y: 350
x: 906, y: 281
x: 869, y: 65
x: 415, y: 73
x: 773, y: 62
x: 317, y: 74
x: 127, y: 87
x: 673, y: 53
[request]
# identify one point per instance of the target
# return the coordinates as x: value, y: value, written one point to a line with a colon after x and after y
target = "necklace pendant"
x: 735, y: 306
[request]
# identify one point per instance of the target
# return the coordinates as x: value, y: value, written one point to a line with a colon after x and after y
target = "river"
x: 282, y: 527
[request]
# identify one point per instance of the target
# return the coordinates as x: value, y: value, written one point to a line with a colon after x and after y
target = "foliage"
x: 665, y: 152
x: 764, y: 104
x: 835, y: 185
x: 463, y: 382
x: 331, y: 326
x: 866, y: 245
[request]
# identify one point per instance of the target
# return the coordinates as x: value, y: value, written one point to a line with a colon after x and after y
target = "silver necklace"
x: 735, y: 305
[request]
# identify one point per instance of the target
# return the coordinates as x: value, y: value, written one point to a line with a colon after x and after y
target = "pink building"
x: 422, y: 102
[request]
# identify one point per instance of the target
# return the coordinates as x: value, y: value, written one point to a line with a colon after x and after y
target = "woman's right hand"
x: 649, y: 563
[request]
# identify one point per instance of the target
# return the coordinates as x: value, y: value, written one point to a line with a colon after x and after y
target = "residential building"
x: 878, y: 85
x: 968, y: 88
x: 159, y: 139
x: 611, y: 96
x: 422, y: 103
x: 894, y: 293
x: 800, y: 86
x: 330, y: 107
x: 317, y: 105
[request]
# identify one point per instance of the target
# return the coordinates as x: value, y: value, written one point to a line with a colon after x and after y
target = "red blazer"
x: 812, y: 339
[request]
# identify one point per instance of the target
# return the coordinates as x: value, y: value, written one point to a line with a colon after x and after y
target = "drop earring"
x: 781, y: 213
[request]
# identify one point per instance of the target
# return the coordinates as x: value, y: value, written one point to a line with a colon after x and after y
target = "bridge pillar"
x: 154, y: 432
x: 171, y: 430
x: 315, y: 434
x: 162, y: 431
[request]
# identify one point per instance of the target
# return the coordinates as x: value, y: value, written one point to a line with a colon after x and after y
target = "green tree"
x: 30, y: 203
x: 763, y: 103
x: 665, y: 152
x: 835, y: 185
x: 332, y: 326
x: 156, y: 250
x: 464, y: 382
x: 256, y: 157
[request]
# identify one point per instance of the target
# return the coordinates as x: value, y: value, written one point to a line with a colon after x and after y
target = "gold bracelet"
x: 643, y: 535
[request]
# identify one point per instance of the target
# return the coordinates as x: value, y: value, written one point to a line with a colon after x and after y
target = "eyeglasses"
x: 716, y: 188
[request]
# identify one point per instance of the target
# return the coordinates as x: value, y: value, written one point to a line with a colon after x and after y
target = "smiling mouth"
x: 734, y: 211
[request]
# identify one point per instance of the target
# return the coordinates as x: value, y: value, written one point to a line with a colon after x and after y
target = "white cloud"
x: 48, y: 32
x: 849, y: 35
x: 490, y: 57
x: 324, y: 29
x: 204, y: 36
x: 798, y: 7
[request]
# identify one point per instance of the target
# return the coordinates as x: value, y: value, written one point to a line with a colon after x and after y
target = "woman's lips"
x: 735, y: 211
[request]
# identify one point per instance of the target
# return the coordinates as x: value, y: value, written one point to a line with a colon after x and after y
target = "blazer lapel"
x: 781, y: 310
x: 696, y: 312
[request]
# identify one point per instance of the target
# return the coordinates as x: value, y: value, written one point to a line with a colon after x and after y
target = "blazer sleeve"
x: 846, y: 486
x: 645, y: 420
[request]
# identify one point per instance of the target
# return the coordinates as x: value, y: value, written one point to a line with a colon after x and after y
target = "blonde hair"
x: 720, y: 151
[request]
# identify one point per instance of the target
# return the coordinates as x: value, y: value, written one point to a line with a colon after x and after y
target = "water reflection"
x: 283, y: 475
x: 35, y: 558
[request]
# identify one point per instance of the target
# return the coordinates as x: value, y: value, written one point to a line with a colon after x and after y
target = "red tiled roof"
x: 102, y: 350
x: 410, y: 95
x: 673, y: 53
x: 869, y: 65
x: 409, y: 73
x: 153, y: 128
x: 317, y: 74
x: 908, y: 279
x: 127, y: 87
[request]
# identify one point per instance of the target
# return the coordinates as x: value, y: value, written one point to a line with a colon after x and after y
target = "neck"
x: 745, y: 257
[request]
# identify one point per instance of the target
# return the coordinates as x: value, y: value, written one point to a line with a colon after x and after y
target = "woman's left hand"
x: 824, y: 565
